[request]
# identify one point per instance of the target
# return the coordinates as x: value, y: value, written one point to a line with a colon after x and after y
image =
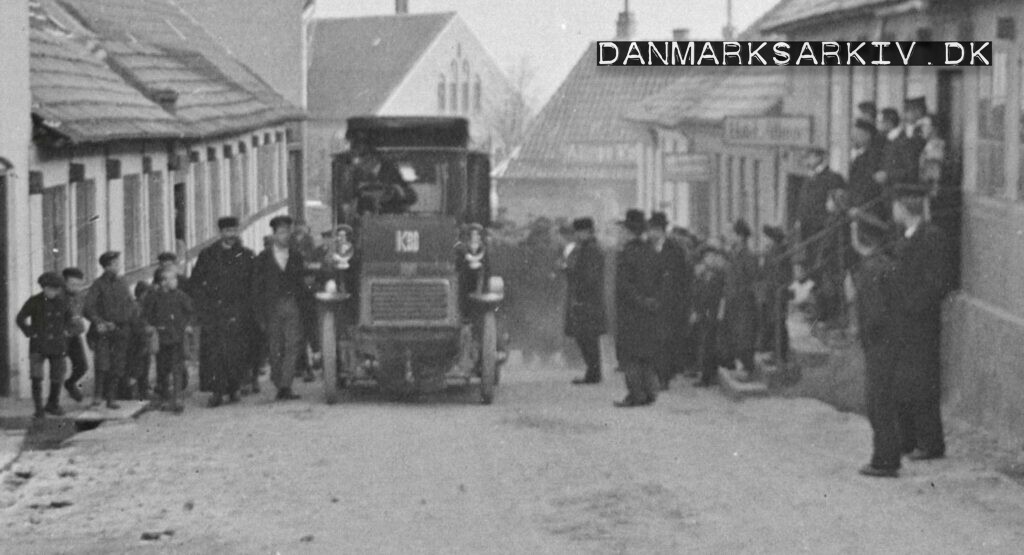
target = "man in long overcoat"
x: 740, y: 302
x: 923, y: 272
x: 875, y: 286
x: 811, y: 213
x: 777, y: 274
x: 675, y: 279
x: 585, y: 319
x: 636, y: 289
x: 220, y: 285
x: 865, y: 161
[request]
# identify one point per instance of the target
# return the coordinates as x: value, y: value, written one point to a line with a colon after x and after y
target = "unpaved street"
x: 550, y: 468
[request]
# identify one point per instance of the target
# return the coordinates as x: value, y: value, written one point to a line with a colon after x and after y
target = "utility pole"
x: 728, y: 32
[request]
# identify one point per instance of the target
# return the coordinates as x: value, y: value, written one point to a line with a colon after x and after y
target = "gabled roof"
x: 797, y: 11
x: 587, y: 108
x: 356, y: 62
x: 101, y: 67
x: 714, y: 94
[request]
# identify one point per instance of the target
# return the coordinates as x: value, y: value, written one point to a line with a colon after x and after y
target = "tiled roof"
x: 802, y: 10
x: 356, y: 62
x: 709, y: 97
x: 98, y: 67
x: 587, y: 109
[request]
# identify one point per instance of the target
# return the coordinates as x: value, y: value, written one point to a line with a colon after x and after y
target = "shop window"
x: 134, y: 246
x: 55, y: 203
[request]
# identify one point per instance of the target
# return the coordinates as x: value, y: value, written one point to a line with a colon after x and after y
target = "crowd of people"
x: 242, y: 310
x: 685, y: 305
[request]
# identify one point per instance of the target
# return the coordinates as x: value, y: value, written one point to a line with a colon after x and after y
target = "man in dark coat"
x: 674, y: 282
x: 585, y: 319
x: 922, y: 281
x: 874, y: 282
x: 778, y: 274
x: 636, y: 306
x: 739, y: 305
x: 282, y: 300
x: 810, y: 211
x: 902, y: 152
x: 221, y: 284
x: 865, y: 161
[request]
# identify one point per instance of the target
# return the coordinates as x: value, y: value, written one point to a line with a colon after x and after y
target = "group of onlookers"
x: 242, y: 309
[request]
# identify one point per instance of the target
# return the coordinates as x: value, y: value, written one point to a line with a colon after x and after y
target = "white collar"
x: 821, y: 168
x: 911, y: 230
x: 894, y: 134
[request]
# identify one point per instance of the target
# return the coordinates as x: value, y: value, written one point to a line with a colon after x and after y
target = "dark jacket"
x: 636, y: 287
x: 777, y: 275
x: 901, y: 159
x: 270, y: 284
x: 875, y: 283
x: 110, y: 301
x: 923, y: 279
x: 47, y: 323
x: 740, y: 298
x: 675, y: 281
x: 170, y: 312
x: 811, y: 211
x: 584, y: 299
x: 221, y: 283
x: 863, y: 187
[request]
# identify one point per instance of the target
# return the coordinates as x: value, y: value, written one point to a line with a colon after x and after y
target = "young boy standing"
x: 169, y: 311
x: 46, y: 319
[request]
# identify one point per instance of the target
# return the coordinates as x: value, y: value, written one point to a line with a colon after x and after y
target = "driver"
x: 380, y: 184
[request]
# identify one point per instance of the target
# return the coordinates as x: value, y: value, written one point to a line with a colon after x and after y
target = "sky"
x: 552, y: 34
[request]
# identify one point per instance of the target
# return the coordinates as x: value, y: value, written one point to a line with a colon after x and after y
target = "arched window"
x: 465, y: 86
x: 453, y: 88
x: 441, y: 92
x: 478, y: 93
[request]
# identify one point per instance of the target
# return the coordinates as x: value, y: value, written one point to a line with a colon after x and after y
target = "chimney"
x: 681, y: 34
x: 401, y: 7
x: 728, y: 32
x: 625, y: 26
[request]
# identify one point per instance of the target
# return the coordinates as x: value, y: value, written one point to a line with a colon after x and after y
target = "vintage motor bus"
x: 408, y: 296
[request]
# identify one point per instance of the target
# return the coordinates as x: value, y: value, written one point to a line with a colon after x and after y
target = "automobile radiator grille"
x: 409, y: 300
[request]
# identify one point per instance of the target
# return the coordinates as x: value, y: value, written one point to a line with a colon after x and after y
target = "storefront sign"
x: 686, y: 167
x: 769, y: 130
x: 591, y: 153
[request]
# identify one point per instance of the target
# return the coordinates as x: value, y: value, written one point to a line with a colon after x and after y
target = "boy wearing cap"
x: 923, y: 278
x: 585, y: 318
x: 110, y: 308
x: 636, y: 289
x: 47, y: 320
x: 282, y: 300
x: 221, y: 285
x: 874, y: 281
x: 168, y: 312
x: 74, y: 292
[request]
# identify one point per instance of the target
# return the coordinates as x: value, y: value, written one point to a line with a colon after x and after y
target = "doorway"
x: 180, y: 220
x: 947, y: 207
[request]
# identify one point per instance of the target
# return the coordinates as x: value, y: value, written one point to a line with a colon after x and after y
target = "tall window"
x: 465, y: 87
x: 200, y: 201
x: 216, y: 193
x: 86, y: 221
x: 134, y: 257
x: 478, y: 94
x: 441, y: 93
x: 156, y: 213
x: 728, y: 191
x: 55, y: 203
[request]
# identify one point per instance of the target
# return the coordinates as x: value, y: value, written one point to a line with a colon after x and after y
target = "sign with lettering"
x: 769, y: 130
x: 686, y: 167
x: 407, y: 241
x: 600, y: 152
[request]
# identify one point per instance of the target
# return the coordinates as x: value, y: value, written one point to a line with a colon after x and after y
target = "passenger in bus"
x: 379, y: 183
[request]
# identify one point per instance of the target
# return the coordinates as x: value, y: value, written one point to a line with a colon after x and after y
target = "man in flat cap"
x: 865, y: 161
x: 636, y: 306
x: 221, y: 285
x: 585, y: 318
x: 923, y: 279
x: 675, y: 278
x: 739, y: 305
x: 811, y: 212
x: 875, y: 285
x: 111, y: 310
x: 282, y: 300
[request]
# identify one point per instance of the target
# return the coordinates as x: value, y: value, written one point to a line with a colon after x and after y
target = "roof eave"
x: 800, y: 22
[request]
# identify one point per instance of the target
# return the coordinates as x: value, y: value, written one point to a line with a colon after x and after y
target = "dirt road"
x: 550, y: 468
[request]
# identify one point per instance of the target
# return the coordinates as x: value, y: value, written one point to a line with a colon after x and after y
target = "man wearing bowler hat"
x: 282, y: 300
x: 636, y: 306
x: 923, y: 279
x: 220, y: 286
x: 585, y: 319
x: 674, y: 280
